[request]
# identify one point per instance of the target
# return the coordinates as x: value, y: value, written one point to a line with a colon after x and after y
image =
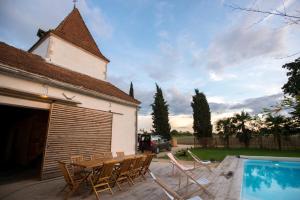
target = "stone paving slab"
x: 222, y: 188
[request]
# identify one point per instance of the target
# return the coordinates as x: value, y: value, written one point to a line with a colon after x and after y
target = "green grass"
x: 220, y: 154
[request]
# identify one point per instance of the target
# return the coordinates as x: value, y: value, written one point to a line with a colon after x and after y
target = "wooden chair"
x: 171, y: 194
x: 72, y: 182
x: 146, y: 165
x: 97, y: 156
x: 76, y: 158
x: 107, y: 155
x: 102, y: 180
x: 120, y: 154
x: 136, y: 167
x: 77, y: 171
x: 122, y: 173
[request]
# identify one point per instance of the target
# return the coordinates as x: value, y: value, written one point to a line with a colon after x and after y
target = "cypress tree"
x: 131, y: 92
x: 160, y: 115
x: 201, y: 114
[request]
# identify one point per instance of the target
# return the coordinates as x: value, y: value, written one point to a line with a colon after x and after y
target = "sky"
x: 235, y: 58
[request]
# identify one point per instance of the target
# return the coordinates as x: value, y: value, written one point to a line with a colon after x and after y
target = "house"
x: 55, y: 101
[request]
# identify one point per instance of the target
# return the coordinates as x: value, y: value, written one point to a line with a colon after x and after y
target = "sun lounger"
x: 171, y: 194
x: 201, y: 182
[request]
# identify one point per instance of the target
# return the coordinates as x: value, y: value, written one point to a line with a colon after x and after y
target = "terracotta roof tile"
x: 35, y: 64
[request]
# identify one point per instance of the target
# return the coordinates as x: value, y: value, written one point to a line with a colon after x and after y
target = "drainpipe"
x: 136, y: 128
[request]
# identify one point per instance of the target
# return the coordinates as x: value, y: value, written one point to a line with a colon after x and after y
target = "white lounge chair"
x: 201, y: 182
x: 199, y: 162
x: 174, y: 162
x: 171, y: 194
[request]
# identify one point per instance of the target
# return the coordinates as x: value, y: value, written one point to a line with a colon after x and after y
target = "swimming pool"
x: 265, y: 179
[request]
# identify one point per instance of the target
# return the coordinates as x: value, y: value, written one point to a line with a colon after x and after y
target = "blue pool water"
x: 274, y: 180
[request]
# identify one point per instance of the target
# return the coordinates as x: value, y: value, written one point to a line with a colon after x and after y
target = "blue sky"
x: 181, y: 45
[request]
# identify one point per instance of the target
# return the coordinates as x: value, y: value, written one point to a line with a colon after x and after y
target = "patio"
x: 222, y: 188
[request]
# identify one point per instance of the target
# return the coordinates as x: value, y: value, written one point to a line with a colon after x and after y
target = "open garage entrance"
x: 22, y: 142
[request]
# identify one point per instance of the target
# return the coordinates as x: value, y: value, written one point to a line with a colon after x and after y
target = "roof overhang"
x: 45, y: 80
x: 34, y: 96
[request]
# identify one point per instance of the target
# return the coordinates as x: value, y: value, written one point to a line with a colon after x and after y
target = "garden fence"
x: 264, y: 142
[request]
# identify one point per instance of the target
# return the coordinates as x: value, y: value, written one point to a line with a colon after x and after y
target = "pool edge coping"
x: 297, y: 159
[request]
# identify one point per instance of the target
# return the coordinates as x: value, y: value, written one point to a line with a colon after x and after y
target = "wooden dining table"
x: 96, y: 163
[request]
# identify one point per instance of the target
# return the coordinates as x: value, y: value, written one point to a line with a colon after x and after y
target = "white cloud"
x: 268, y: 90
x: 219, y: 76
x: 163, y: 13
x: 238, y: 45
x: 215, y: 99
x: 20, y: 20
x: 145, y: 122
x: 163, y: 34
x: 215, y: 116
x: 96, y: 21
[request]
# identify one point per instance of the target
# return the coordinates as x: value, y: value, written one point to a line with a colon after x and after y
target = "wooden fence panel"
x: 266, y: 142
x: 74, y: 131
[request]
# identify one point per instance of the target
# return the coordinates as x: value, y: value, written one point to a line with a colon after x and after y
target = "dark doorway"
x: 22, y: 140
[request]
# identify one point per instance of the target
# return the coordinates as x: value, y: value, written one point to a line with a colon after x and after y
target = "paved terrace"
x: 222, y: 188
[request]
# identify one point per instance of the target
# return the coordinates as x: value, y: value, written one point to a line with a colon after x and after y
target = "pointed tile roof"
x: 74, y: 30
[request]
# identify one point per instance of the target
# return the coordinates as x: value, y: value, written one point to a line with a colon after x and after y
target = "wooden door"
x: 74, y: 131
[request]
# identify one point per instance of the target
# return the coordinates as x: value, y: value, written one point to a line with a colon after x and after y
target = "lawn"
x: 219, y: 154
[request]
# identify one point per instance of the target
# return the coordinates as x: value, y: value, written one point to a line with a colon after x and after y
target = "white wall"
x: 13, y: 101
x: 69, y: 56
x: 123, y: 130
x: 42, y: 49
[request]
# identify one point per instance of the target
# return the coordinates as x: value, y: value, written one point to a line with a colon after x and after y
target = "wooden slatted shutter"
x: 74, y: 131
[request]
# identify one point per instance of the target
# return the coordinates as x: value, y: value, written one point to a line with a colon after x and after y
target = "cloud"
x: 20, y: 20
x: 258, y: 104
x: 179, y: 103
x: 163, y: 34
x: 217, y: 76
x: 162, y: 12
x: 238, y: 44
x: 95, y: 19
x: 181, y: 112
x: 173, y: 57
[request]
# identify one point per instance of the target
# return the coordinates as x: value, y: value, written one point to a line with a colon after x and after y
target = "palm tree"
x: 258, y: 128
x: 240, y: 120
x: 276, y: 124
x: 225, y: 127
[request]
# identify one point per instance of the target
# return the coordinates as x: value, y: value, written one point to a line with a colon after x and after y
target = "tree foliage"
x: 277, y: 126
x: 243, y: 132
x: 160, y: 115
x: 201, y: 114
x: 225, y: 128
x: 131, y: 91
x: 292, y: 87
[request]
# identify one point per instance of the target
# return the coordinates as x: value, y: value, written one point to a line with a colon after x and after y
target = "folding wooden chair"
x: 171, y: 194
x: 122, y: 173
x: 120, y: 154
x: 201, y: 182
x: 77, y: 171
x: 136, y: 167
x: 97, y: 156
x: 199, y: 163
x: 72, y: 182
x: 107, y: 155
x: 146, y: 164
x: 103, y: 178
